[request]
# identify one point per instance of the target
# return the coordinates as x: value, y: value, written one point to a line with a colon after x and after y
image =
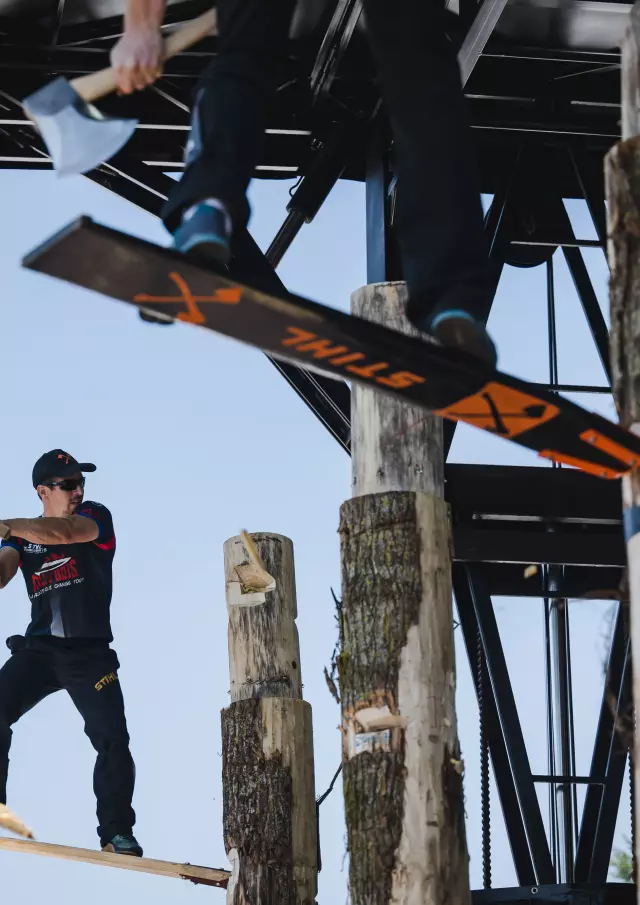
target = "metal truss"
x: 514, y: 780
x: 537, y: 113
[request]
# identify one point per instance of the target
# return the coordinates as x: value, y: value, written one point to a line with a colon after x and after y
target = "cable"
x: 318, y: 803
x: 485, y: 791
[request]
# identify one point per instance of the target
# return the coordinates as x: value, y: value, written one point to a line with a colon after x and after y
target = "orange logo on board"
x: 193, y: 315
x: 501, y: 410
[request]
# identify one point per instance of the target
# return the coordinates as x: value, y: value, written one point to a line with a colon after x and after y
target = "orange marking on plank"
x: 600, y: 471
x: 400, y: 380
x: 344, y: 359
x: 501, y: 410
x: 322, y: 348
x: 193, y: 315
x: 298, y: 336
x: 368, y: 371
x: 604, y: 444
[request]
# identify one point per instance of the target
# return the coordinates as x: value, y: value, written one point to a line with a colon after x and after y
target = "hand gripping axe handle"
x: 79, y: 137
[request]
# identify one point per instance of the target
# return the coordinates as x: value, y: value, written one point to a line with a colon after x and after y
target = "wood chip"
x: 9, y: 821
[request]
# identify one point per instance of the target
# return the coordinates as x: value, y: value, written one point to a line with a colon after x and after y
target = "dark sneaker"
x: 124, y: 845
x: 458, y: 329
x: 205, y: 232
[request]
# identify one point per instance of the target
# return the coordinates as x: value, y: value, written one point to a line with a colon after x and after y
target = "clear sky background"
x: 195, y: 438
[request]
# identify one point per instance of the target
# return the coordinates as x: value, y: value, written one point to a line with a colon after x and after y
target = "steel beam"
x: 532, y: 494
x: 590, y: 305
x: 383, y: 253
x: 479, y: 33
x: 507, y: 545
x: 334, y: 46
x: 609, y: 758
x: 559, y: 894
x: 468, y: 590
x: 574, y: 582
x: 591, y: 181
x: 499, y: 756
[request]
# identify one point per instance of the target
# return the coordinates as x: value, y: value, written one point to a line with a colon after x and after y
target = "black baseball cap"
x: 57, y: 464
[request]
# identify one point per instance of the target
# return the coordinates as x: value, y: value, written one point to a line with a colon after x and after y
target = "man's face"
x: 62, y: 496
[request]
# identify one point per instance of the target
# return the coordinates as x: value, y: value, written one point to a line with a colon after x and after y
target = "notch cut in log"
x: 207, y: 876
x: 246, y: 578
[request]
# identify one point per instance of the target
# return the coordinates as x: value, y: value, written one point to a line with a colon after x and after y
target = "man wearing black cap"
x: 66, y: 558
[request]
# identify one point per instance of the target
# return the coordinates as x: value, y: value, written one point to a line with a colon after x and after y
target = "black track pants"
x: 88, y: 671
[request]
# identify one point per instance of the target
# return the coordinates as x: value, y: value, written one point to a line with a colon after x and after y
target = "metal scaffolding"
x: 543, y: 112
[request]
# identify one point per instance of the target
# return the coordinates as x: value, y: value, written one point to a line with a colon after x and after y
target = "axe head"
x: 78, y: 137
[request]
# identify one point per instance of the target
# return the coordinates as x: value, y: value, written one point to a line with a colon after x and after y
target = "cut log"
x: 394, y: 445
x: 622, y: 182
x: 207, y: 876
x: 402, y: 768
x: 269, y: 809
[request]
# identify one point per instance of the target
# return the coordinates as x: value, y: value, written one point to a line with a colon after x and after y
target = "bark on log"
x: 622, y: 183
x: 401, y: 756
x: 269, y: 813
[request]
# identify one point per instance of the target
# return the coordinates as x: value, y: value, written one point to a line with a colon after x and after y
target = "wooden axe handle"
x: 98, y: 84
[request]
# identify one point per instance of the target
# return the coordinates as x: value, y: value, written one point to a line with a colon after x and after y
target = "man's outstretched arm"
x: 138, y: 56
x: 76, y: 529
x: 9, y: 562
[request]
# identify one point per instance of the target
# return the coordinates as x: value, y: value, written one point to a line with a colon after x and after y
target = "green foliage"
x: 622, y: 866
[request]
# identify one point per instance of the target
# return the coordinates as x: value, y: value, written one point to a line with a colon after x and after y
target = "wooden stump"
x: 393, y: 444
x: 401, y: 756
x: 269, y: 812
x: 622, y: 180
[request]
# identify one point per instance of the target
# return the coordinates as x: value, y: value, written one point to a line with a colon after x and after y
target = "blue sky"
x: 195, y: 438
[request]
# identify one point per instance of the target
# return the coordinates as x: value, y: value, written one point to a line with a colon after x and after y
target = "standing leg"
x: 229, y: 117
x: 25, y: 679
x: 439, y: 212
x: 90, y: 675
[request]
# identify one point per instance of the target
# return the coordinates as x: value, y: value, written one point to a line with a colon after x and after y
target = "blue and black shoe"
x: 205, y: 232
x: 124, y: 845
x: 458, y: 329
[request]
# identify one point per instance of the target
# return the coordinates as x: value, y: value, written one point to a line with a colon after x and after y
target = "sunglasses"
x: 67, y: 484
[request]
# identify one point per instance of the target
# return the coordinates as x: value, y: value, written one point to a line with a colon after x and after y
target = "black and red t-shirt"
x: 70, y: 585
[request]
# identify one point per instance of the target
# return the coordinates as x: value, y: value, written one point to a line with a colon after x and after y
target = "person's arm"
x: 76, y: 529
x: 138, y: 56
x: 9, y: 562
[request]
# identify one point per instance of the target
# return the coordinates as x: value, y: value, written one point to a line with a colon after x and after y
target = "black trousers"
x: 438, y: 212
x: 88, y: 671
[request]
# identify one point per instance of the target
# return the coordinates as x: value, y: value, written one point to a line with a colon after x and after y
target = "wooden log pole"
x: 402, y: 767
x: 622, y: 186
x: 269, y: 813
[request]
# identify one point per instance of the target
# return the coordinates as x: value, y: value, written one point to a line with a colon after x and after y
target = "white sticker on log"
x: 369, y: 741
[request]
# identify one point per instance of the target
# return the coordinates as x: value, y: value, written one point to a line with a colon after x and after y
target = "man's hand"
x: 138, y: 57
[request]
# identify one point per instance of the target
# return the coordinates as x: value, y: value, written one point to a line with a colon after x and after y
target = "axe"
x: 79, y: 137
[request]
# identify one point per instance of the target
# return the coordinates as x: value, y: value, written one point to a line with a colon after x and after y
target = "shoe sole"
x: 111, y: 850
x: 468, y: 335
x: 207, y: 251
